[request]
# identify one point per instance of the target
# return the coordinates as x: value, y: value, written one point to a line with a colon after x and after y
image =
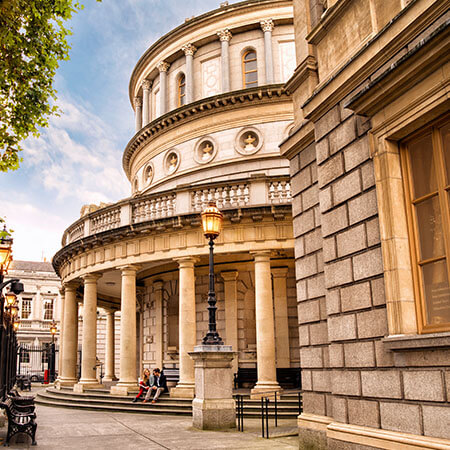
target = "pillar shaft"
x: 146, y: 85
x: 68, y: 372
x: 163, y: 67
x: 61, y: 327
x: 281, y: 316
x: 265, y: 336
x: 89, y: 344
x: 267, y: 26
x: 138, y: 113
x: 231, y: 313
x: 225, y: 37
x: 189, y: 51
x: 187, y: 328
x: 110, y: 342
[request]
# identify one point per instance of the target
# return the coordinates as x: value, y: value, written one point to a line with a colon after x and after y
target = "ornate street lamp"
x: 212, y: 220
x: 16, y: 325
x: 53, y: 331
x: 10, y: 298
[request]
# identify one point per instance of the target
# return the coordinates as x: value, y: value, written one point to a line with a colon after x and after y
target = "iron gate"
x: 35, y: 361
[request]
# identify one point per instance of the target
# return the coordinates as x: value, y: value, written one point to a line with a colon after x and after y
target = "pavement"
x: 64, y: 428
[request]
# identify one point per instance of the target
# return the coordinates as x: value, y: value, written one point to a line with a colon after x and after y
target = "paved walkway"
x: 63, y: 428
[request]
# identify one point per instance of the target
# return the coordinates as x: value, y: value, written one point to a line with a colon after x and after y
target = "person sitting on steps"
x: 144, y: 384
x: 159, y: 385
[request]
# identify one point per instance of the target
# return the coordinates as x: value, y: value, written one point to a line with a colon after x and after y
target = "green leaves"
x: 32, y: 43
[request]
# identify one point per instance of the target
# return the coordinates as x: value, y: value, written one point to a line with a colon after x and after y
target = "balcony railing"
x: 189, y: 200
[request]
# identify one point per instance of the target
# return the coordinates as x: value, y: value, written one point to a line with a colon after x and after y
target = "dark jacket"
x: 162, y: 382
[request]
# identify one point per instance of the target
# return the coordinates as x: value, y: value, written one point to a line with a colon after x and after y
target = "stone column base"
x: 110, y: 378
x: 86, y: 385
x: 213, y: 414
x: 124, y: 389
x: 261, y: 389
x: 183, y: 390
x: 63, y: 382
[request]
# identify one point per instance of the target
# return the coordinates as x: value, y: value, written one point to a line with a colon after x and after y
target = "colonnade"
x: 270, y: 316
x: 142, y: 104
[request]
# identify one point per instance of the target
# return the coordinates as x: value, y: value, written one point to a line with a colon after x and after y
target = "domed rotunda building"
x: 210, y: 112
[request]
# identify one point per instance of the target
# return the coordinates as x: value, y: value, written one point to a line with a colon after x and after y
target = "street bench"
x: 19, y: 421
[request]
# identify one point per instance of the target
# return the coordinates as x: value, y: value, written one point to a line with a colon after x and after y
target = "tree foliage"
x: 33, y: 40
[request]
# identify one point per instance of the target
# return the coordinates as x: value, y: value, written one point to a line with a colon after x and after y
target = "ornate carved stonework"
x: 163, y: 66
x: 267, y: 25
x: 189, y: 49
x: 146, y: 84
x: 225, y: 34
x: 137, y: 101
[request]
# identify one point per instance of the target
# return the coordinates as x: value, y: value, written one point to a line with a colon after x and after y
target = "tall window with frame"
x: 426, y: 174
x: 26, y: 308
x: 181, y: 90
x: 249, y: 69
x: 48, y: 309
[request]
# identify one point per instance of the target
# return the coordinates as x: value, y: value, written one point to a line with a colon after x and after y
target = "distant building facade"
x: 370, y: 165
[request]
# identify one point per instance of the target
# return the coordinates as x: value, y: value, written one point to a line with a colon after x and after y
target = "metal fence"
x: 38, y: 362
x: 8, y: 349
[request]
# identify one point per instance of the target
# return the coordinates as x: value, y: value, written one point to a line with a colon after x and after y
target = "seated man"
x: 159, y: 385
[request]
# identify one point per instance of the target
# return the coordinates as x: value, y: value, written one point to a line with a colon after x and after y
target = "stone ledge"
x: 407, y: 342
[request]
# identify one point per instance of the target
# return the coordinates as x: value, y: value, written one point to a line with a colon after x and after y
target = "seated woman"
x: 144, y: 384
x: 158, y: 386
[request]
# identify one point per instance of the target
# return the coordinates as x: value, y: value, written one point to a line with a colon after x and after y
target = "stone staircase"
x: 102, y: 400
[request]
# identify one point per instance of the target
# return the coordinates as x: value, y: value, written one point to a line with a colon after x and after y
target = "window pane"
x: 423, y: 166
x: 429, y: 226
x: 251, y: 77
x: 249, y: 55
x: 250, y: 65
x: 182, y: 89
x: 182, y: 100
x: 445, y: 139
x: 437, y: 293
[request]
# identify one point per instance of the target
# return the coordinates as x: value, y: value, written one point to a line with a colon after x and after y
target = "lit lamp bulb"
x: 14, y: 310
x: 10, y: 298
x: 16, y: 325
x: 212, y: 220
x: 53, y: 328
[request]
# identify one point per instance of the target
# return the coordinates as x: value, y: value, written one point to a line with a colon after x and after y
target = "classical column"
x: 279, y: 275
x: 128, y: 378
x: 61, y: 327
x: 187, y: 329
x: 231, y: 314
x: 265, y: 336
x: 189, y: 51
x: 267, y: 26
x: 225, y: 37
x: 146, y: 85
x: 163, y: 67
x: 138, y: 113
x: 159, y: 320
x: 89, y: 344
x: 68, y: 371
x: 110, y: 342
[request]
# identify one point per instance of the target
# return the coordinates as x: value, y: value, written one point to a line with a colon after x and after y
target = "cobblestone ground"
x: 62, y: 428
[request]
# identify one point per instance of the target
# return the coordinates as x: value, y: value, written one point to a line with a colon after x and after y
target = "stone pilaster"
x: 187, y: 332
x: 68, y: 371
x: 89, y: 344
x: 163, y: 67
x: 225, y: 37
x: 279, y: 275
x: 189, y: 51
x: 159, y: 314
x: 267, y: 26
x: 61, y: 326
x: 138, y: 113
x: 146, y: 86
x: 231, y: 313
x: 265, y: 336
x: 128, y: 379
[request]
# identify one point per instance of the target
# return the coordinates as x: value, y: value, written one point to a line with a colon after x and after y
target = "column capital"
x: 163, y: 66
x: 158, y: 285
x: 225, y: 35
x: 91, y: 278
x: 189, y: 49
x: 279, y: 272
x: 146, y: 85
x: 261, y: 255
x: 137, y: 101
x: 229, y: 275
x: 186, y: 261
x: 70, y: 286
x: 267, y: 25
x: 130, y: 268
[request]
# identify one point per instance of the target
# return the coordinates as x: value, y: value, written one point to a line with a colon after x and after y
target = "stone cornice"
x: 267, y: 94
x: 185, y: 30
x: 304, y: 70
x: 117, y: 235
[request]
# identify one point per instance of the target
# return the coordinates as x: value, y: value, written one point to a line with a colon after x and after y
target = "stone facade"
x: 369, y: 379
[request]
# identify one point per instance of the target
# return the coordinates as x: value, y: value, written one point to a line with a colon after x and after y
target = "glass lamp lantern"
x: 5, y: 250
x: 212, y: 220
x: 14, y: 309
x: 10, y: 298
x: 53, y: 328
x: 16, y: 325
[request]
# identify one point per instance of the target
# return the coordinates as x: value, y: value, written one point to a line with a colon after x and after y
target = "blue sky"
x: 77, y: 160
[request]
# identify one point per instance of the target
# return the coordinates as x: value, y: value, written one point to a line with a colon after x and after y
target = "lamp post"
x: 52, y: 359
x: 212, y: 220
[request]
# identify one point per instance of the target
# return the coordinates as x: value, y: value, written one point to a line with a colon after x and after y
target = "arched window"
x: 249, y: 69
x: 181, y: 90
